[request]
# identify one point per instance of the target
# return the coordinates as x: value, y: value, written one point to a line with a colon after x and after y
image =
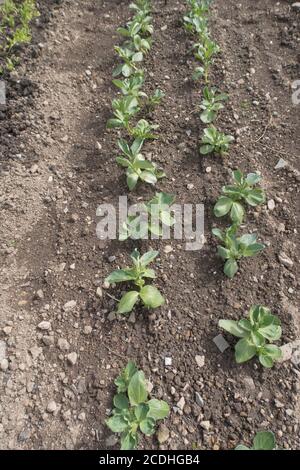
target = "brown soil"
x: 53, y: 177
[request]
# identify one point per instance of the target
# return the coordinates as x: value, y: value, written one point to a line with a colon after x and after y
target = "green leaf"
x: 117, y: 423
x: 223, y: 252
x: 148, y: 257
x: 218, y: 233
x: 132, y: 179
x: 123, y: 162
x: 147, y: 426
x: 128, y: 441
x: 128, y: 301
x: 223, y: 206
x: 241, y: 447
x: 206, y: 149
x: 231, y: 268
x: 121, y: 401
x: 141, y: 411
x: 232, y: 327
x: 151, y: 297
x: 130, y: 370
x: 253, y: 178
x: 148, y: 177
x: 126, y: 70
x: 273, y: 351
x: 120, y: 275
x: 137, y: 57
x: 255, y: 197
x: 237, y: 212
x: 158, y: 409
x: 150, y: 273
x: 237, y: 176
x: 253, y: 249
x: 266, y: 361
x: 244, y: 351
x: 137, y: 391
x: 113, y: 123
x: 264, y: 440
x: 272, y: 332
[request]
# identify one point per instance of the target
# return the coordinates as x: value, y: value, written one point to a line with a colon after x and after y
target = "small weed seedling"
x: 124, y: 110
x: 144, y: 130
x: 133, y: 410
x: 131, y: 86
x: 131, y: 60
x: 214, y: 141
x: 256, y: 332
x: 236, y: 248
x: 148, y: 294
x: 211, y: 104
x: 241, y: 191
x: 156, y: 98
x: 153, y: 217
x: 137, y: 167
x: 264, y: 440
x: 205, y: 52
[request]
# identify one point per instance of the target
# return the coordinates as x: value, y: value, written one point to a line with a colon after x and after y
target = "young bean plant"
x: 257, y: 333
x: 211, y: 104
x: 242, y: 191
x: 133, y: 410
x: 264, y: 440
x: 153, y: 218
x: 235, y: 248
x: 124, y: 109
x: 138, y: 168
x: 205, y: 53
x: 147, y: 294
x: 214, y: 141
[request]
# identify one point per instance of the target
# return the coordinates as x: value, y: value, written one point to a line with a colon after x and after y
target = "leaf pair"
x: 124, y: 109
x: 214, y: 141
x: 138, y: 168
x: 211, y: 104
x: 133, y: 411
x: 255, y: 333
x: 236, y: 248
x: 264, y: 440
x: 149, y: 295
x: 241, y: 191
x: 153, y: 217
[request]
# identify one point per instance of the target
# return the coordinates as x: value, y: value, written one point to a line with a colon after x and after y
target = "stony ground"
x: 61, y: 344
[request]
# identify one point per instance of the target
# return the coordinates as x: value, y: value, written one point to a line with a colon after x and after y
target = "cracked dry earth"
x: 61, y: 344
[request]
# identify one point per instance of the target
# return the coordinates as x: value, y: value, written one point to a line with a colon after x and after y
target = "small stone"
x: 168, y: 361
x: 106, y: 285
x: 88, y: 72
x: 99, y: 292
x: 271, y: 204
x: 205, y: 425
x: 181, y: 403
x: 72, y: 358
x: 2, y: 94
x: 87, y: 330
x: 285, y: 260
x: 281, y: 164
x: 44, y: 325
x: 164, y: 28
x: 296, y: 358
x: 63, y: 344
x: 149, y: 386
x: 199, y: 399
x: 249, y: 383
x: 51, y: 407
x: 190, y: 186
x: 221, y: 343
x: 111, y: 259
x: 200, y: 360
x: 168, y: 249
x: 39, y: 294
x: 34, y: 169
x: 4, y: 364
x: 2, y: 350
x: 111, y: 316
x: 208, y: 169
x: 70, y: 305
x: 163, y: 434
x: 132, y: 318
x: 7, y: 330
x: 111, y: 441
x: 296, y: 6
x: 82, y: 416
